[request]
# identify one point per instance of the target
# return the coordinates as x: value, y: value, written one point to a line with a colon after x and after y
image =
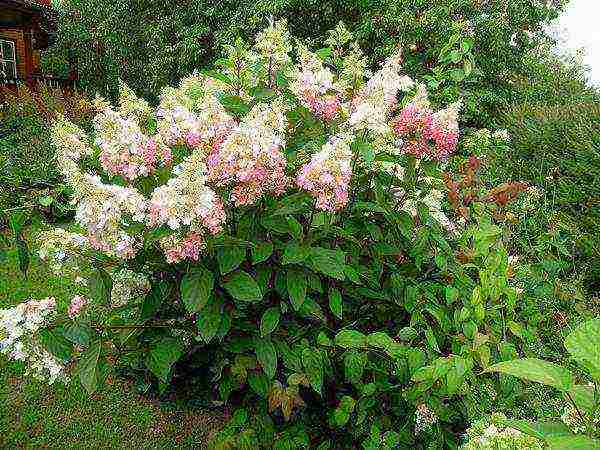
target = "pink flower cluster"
x: 328, y: 174
x: 125, y: 150
x: 326, y: 107
x: 178, y: 249
x: 424, y: 132
x: 314, y: 86
x: 251, y: 159
x: 77, y: 304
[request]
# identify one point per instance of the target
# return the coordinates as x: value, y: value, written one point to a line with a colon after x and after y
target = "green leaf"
x: 296, y: 285
x: 154, y: 299
x: 583, y: 396
x: 295, y: 228
x: 324, y: 53
x: 242, y: 286
x: 208, y: 320
x: 230, y: 257
x: 267, y: 356
x: 56, y: 343
x: 328, y: 262
x: 536, y: 370
x: 313, y: 366
x: 163, y: 355
x: 384, y: 342
x: 234, y: 104
x: 261, y: 252
x: 335, y: 303
x: 354, y: 365
x: 342, y: 413
x: 457, y: 75
x: 572, y: 442
x: 23, y: 255
x: 100, y: 286
x: 350, y: 339
x: 78, y: 333
x: 87, y: 367
x: 294, y: 253
x: 45, y: 200
x: 16, y: 222
x: 259, y: 383
x: 196, y: 289
x: 584, y: 346
x: 269, y: 320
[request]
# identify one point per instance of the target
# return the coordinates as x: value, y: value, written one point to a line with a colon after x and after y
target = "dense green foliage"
x: 554, y: 121
x: 152, y: 44
x: 28, y: 173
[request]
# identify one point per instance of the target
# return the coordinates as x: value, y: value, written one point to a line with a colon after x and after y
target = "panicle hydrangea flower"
x: 18, y: 339
x: 186, y: 200
x: 178, y: 248
x: 339, y: 36
x: 444, y: 131
x: 130, y: 105
x: 327, y: 176
x: 425, y: 418
x: 370, y: 108
x: 70, y: 144
x: 483, y: 435
x: 250, y: 157
x: 273, y: 46
x: 354, y: 68
x: 77, y: 304
x: 102, y: 209
x: 125, y: 149
x: 62, y: 249
x: 314, y: 86
x: 192, y: 113
x: 425, y: 133
x: 128, y: 285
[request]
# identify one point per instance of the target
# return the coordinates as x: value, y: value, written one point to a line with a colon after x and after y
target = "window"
x: 8, y: 59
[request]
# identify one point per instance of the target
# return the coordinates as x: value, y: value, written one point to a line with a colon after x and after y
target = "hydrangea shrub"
x: 283, y: 217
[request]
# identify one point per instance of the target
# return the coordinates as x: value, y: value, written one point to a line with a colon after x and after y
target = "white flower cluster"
x: 273, y: 46
x: 127, y: 285
x: 432, y: 200
x: 425, y: 418
x: 103, y: 210
x: 192, y: 114
x: 62, y: 250
x: 484, y: 435
x: 369, y: 110
x: 186, y: 200
x: 18, y: 338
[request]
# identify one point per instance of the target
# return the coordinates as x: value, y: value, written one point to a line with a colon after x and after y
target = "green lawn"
x: 34, y: 415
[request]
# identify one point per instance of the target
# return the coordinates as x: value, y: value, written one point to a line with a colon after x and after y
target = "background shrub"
x: 153, y: 44
x: 28, y: 173
x: 554, y: 123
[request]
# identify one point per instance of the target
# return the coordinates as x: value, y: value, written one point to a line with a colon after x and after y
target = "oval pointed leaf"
x: 196, y: 288
x: 267, y: 356
x: 162, y: 356
x: 296, y: 285
x: 242, y: 286
x: 313, y: 366
x: 87, y: 367
x: 350, y: 339
x: 335, y: 303
x: 537, y: 370
x: 230, y: 257
x: 261, y: 252
x: 584, y: 346
x: 269, y: 321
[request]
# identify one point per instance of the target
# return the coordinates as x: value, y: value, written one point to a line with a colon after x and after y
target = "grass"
x: 34, y: 415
